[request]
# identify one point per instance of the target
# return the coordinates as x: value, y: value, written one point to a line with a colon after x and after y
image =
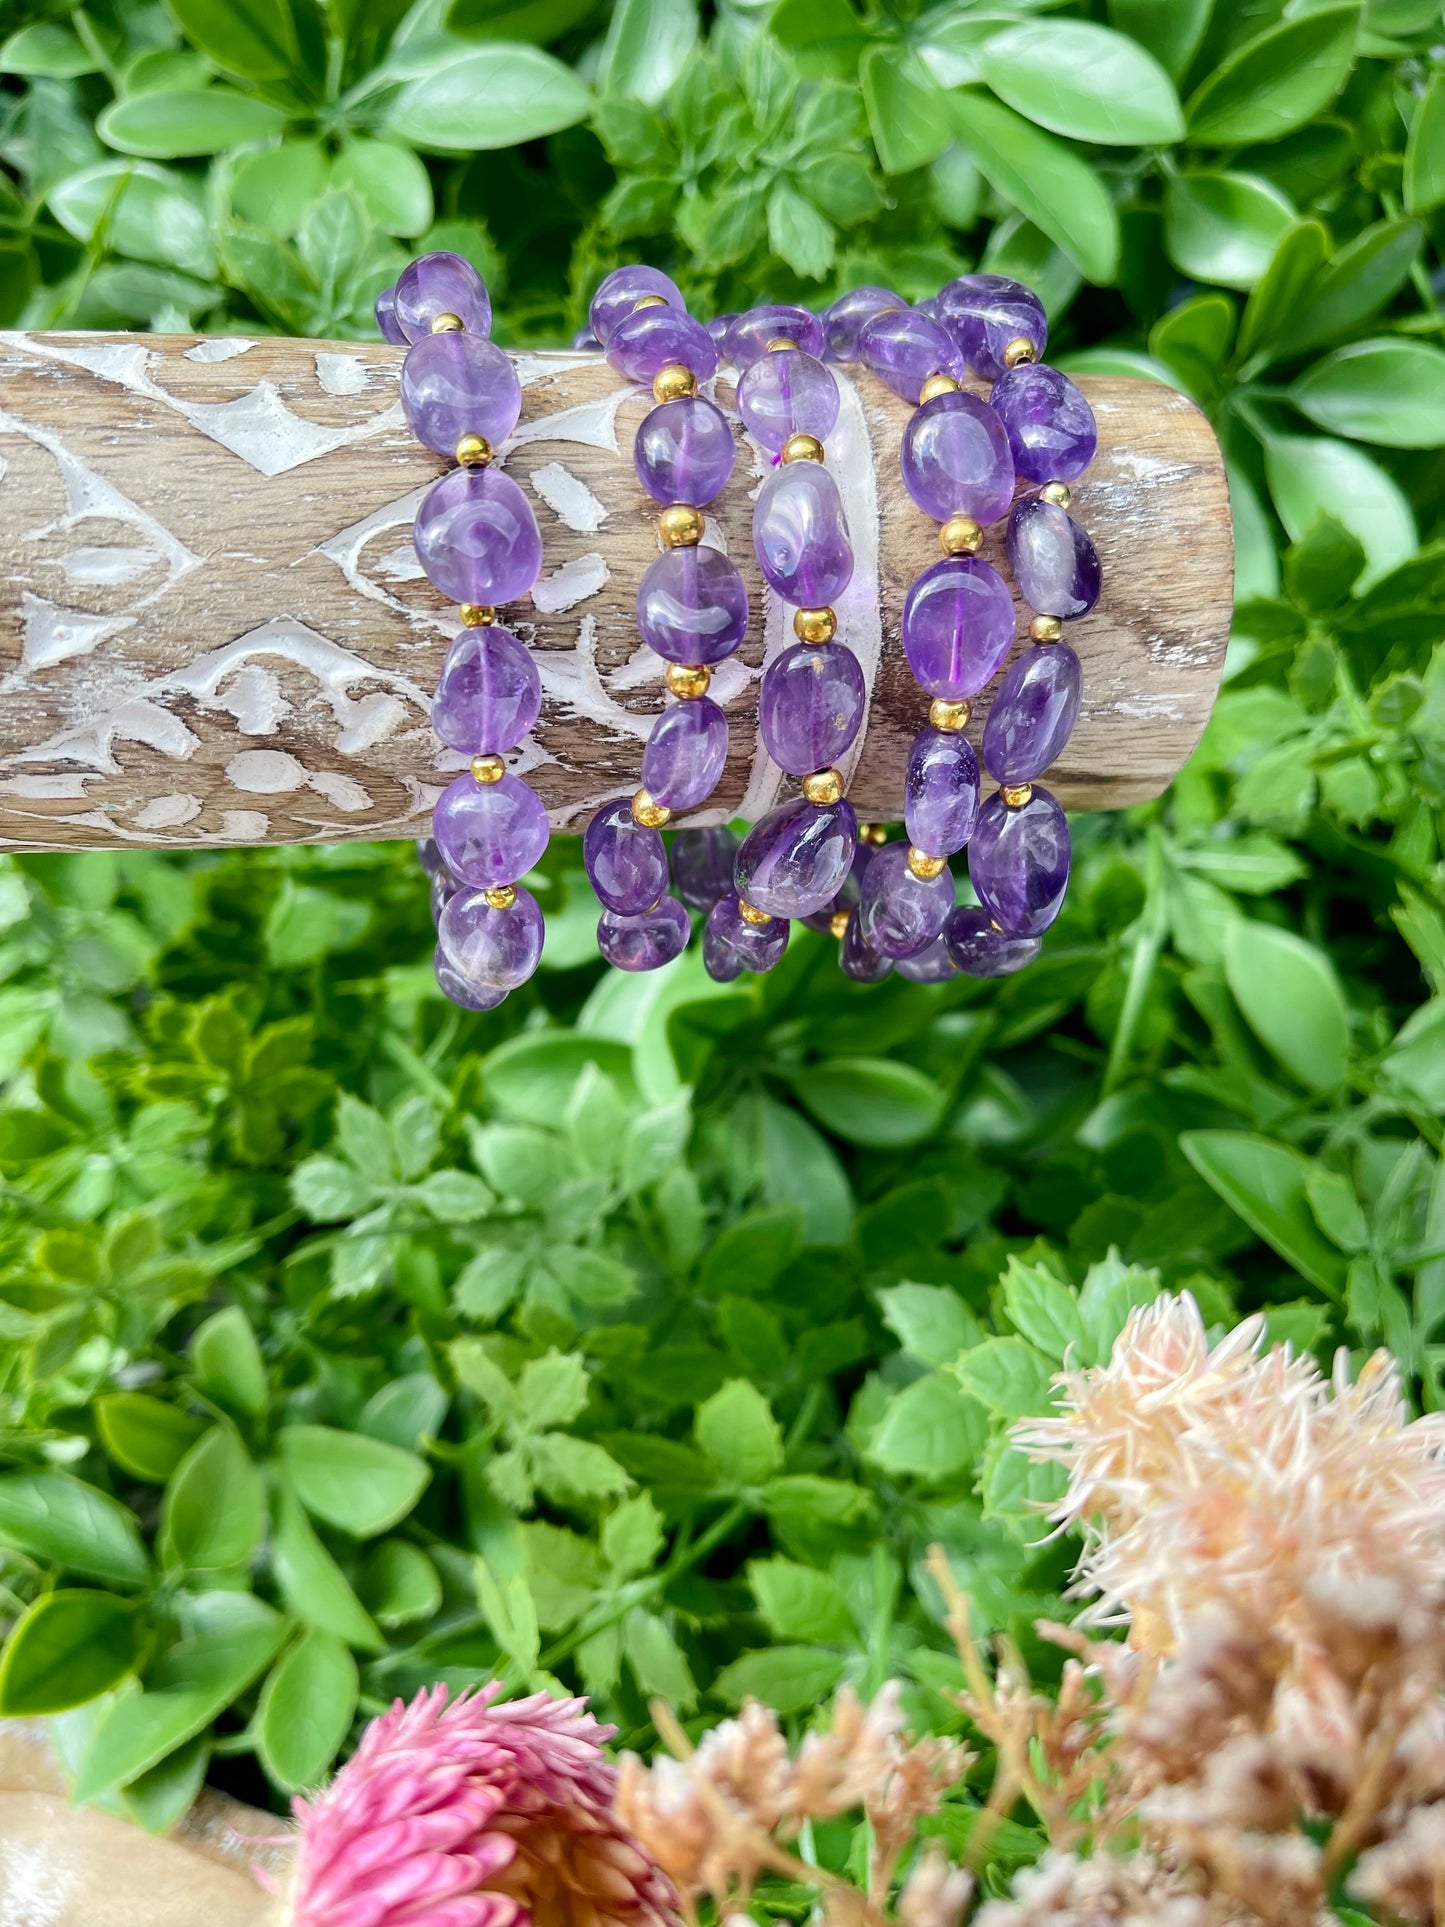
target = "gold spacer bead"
x: 777, y: 346
x: 1016, y: 794
x: 680, y: 526
x: 477, y: 615
x: 447, y: 323
x: 949, y: 713
x: 815, y: 625
x: 649, y: 814
x: 488, y: 769
x: 838, y: 923
x: 823, y: 786
x: 674, y: 381
x: 502, y: 897
x: 687, y: 681
x: 1046, y: 629
x: 474, y: 451
x: 802, y: 448
x: 1059, y: 493
x: 1018, y: 351
x: 750, y: 913
x: 873, y: 833
x: 938, y: 384
x: 960, y: 535
x: 649, y: 301
x: 924, y: 866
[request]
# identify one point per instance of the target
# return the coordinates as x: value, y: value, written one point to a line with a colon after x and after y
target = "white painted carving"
x: 341, y: 374
x: 108, y: 568
x: 574, y: 582
x: 569, y: 498
x: 52, y: 634
x: 223, y: 348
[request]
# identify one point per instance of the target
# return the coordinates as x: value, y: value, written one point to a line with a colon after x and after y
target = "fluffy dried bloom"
x: 1404, y: 1878
x: 474, y: 1814
x: 935, y: 1893
x: 1066, y: 1891
x: 746, y: 1759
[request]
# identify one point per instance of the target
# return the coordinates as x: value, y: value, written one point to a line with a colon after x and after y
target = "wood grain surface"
x: 213, y: 630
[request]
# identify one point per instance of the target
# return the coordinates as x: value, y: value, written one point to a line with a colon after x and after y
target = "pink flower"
x: 475, y: 1814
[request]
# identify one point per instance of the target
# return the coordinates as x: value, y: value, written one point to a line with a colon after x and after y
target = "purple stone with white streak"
x: 940, y: 791
x: 848, y: 895
x: 787, y: 393
x: 985, y: 312
x: 491, y: 949
x: 800, y: 535
x: 444, y: 887
x: 619, y: 293
x: 796, y: 859
x: 386, y: 319
x: 721, y: 962
x: 685, y: 754
x: 750, y: 333
x: 441, y: 283
x: 850, y: 314
x: 757, y: 946
x: 429, y: 856
x: 477, y: 538
x: 489, y: 694
x: 459, y: 384
x: 979, y: 950
x: 1033, y: 714
x: 656, y: 338
x: 692, y: 605
x: 956, y: 460
x: 701, y: 862
x: 899, y: 913
x: 857, y: 958
x: 1018, y: 863
x: 626, y: 860
x: 647, y: 941
x: 455, y: 988
x: 811, y: 705
x: 934, y: 965
x: 684, y: 451
x: 1055, y: 564
x: 958, y: 623
x: 489, y: 834
x: 905, y: 347
x: 1050, y: 426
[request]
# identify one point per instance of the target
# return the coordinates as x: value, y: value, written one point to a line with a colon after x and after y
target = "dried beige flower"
x: 935, y: 1893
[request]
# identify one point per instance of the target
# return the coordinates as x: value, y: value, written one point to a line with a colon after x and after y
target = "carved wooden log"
x: 214, y: 630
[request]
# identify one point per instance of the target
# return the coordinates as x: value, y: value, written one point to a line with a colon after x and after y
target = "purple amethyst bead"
x: 980, y: 950
x: 619, y: 293
x: 958, y: 622
x: 429, y: 856
x: 692, y: 606
x: 787, y: 393
x: 441, y: 283
x: 489, y: 694
x: 386, y: 319
x: 956, y: 460
x: 1055, y: 564
x: 750, y: 333
x: 585, y: 339
x: 985, y: 312
x: 850, y: 314
x: 701, y: 862
x: 796, y: 859
x: 899, y: 913
x: 1050, y: 426
x: 940, y: 791
x: 857, y: 958
x: 905, y: 347
x: 800, y: 535
x: 933, y: 965
x: 455, y: 988
x: 1033, y: 714
x: 444, y: 887
x: 1018, y: 862
x: 757, y: 946
x: 721, y: 962
x: 685, y: 754
x: 476, y: 537
x: 647, y: 941
x: 655, y: 338
x: 459, y: 384
x: 684, y: 451
x: 719, y: 328
x: 491, y: 949
x: 811, y: 705
x: 848, y: 895
x: 489, y: 834
x: 626, y: 861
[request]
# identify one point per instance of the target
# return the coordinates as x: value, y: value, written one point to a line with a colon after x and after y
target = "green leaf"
x: 1265, y: 1183
x: 871, y: 1100
x: 183, y: 121
x: 1171, y: 32
x: 569, y: 1470
x: 399, y: 1584
x: 798, y: 1602
x: 312, y: 1584
x: 228, y: 1365
x: 150, y: 214
x: 552, y: 1390
x: 1084, y: 81
x: 251, y: 37
x: 49, y: 49
x: 737, y: 1431
x: 907, y: 109
x: 390, y: 182
x: 1390, y: 391
x: 1425, y: 149
x: 510, y: 1612
x: 1007, y: 1375
x: 66, y: 1649
x: 159, y: 1799
x: 657, y: 1661
x: 799, y: 234
x: 1356, y: 283
x: 748, y: 1254
x: 1310, y: 477
x: 1291, y: 1000
x: 790, y: 1679
x: 306, y: 1710
x: 1042, y: 1308
x: 407, y: 1412
x: 1224, y: 227
x: 648, y: 44
x: 1254, y: 865
x: 1044, y: 180
x: 930, y: 1322
x: 356, y: 1484
x: 56, y: 1519
x: 1272, y: 311
x: 1278, y: 80
x: 930, y: 1431
x: 214, y: 1511
x: 531, y: 1078
x: 527, y: 93
x: 274, y: 189
x: 632, y: 1536
x: 143, y: 1436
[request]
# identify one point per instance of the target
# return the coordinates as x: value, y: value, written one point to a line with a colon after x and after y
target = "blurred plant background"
x: 642, y: 1335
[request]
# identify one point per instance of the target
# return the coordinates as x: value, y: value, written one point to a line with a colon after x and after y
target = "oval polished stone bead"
x: 1018, y: 863
x: 585, y: 339
x: 850, y: 314
x: 655, y: 338
x: 701, y: 864
x: 757, y: 946
x: 904, y: 347
x: 1055, y: 564
x: 489, y: 834
x: 857, y: 958
x: 940, y: 791
x: 811, y: 705
x: 459, y: 384
x: 441, y: 283
x: 796, y: 859
x: 1050, y: 427
x: 477, y: 538
x: 750, y: 333
x: 787, y: 393
x: 800, y: 535
x: 956, y: 460
x: 719, y: 328
x: 985, y: 312
x: 848, y: 894
x: 958, y: 623
x: 455, y: 988
x: 931, y: 965
x: 721, y: 962
x: 685, y: 754
x: 1033, y: 714
x: 626, y: 861
x: 618, y: 294
x: 979, y: 950
x: 647, y: 941
x: 444, y: 887
x: 489, y: 693
x: 899, y: 913
x: 386, y: 320
x: 692, y: 605
x: 429, y: 856
x: 684, y: 451
x: 491, y: 949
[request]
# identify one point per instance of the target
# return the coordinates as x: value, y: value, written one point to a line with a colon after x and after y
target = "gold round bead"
x: 673, y: 381
x: 815, y: 625
x: 487, y: 769
x: 950, y: 713
x: 781, y: 342
x: 651, y: 815
x: 802, y: 448
x: 680, y: 526
x: 477, y: 615
x: 960, y: 535
x: 938, y: 384
x: 924, y: 866
x: 1018, y: 351
x: 838, y: 923
x: 474, y: 451
x: 1046, y: 629
x: 1016, y: 794
x: 750, y: 913
x: 649, y: 301
x: 875, y: 834
x: 687, y: 680
x: 823, y: 786
x: 447, y: 323
x: 1059, y: 493
x: 501, y: 897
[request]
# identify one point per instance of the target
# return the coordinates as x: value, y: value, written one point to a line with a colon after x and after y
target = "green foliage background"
x: 641, y: 1335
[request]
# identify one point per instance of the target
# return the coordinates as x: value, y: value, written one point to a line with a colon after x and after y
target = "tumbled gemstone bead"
x: 459, y: 384
x: 647, y: 941
x: 684, y: 451
x: 956, y: 460
x: 489, y: 694
x: 685, y: 754
x: 979, y: 950
x: 584, y: 338
x: 850, y: 314
x: 1018, y: 862
x: 757, y: 946
x: 441, y: 283
x: 811, y: 705
x: 750, y: 333
x: 386, y: 319
x: 489, y: 834
x: 788, y: 393
x: 692, y: 605
x: 455, y: 988
x: 429, y: 856
x: 905, y: 347
x: 626, y: 861
x: 958, y: 622
x: 800, y: 535
x: 985, y: 312
x: 444, y: 887
x: 900, y: 913
x: 1050, y: 426
x: 857, y: 958
x: 655, y: 338
x: 721, y: 962
x: 719, y: 328
x: 491, y: 949
x: 476, y: 537
x: 795, y: 860
x: 1055, y: 564
x: 940, y: 791
x: 1033, y: 714
x: 701, y: 862
x: 932, y: 965
x: 619, y: 293
x: 848, y: 894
